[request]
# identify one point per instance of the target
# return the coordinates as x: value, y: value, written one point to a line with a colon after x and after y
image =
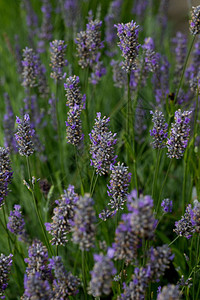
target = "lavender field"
x: 99, y: 151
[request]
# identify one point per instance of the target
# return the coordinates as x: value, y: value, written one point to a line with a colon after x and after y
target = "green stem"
x: 7, y: 232
x: 176, y: 238
x: 183, y: 72
x: 94, y: 185
x: 83, y: 273
x: 36, y: 207
x: 161, y: 190
x: 158, y: 158
x: 129, y: 105
x: 184, y: 182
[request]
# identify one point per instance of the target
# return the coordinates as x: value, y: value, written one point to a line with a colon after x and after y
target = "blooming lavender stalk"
x: 65, y: 284
x: 83, y: 226
x: 167, y: 206
x: 137, y: 287
x: 38, y: 260
x: 139, y: 8
x: 194, y: 22
x: 5, y: 268
x: 98, y: 71
x: 180, y: 44
x: 170, y: 291
x: 30, y: 65
x: 159, y: 131
x: 46, y: 28
x: 119, y: 74
x: 195, y: 216
x: 63, y: 215
x: 16, y: 223
x: 128, y: 36
x: 118, y: 188
x: 36, y: 287
x: 179, y: 136
x: 70, y: 10
x: 151, y: 57
x: 102, y: 145
x: 73, y: 94
x: 74, y: 133
x: 185, y: 226
x: 24, y: 136
x: 88, y: 44
x: 102, y: 274
x: 57, y: 49
x: 9, y: 124
x: 159, y: 260
x: 5, y: 173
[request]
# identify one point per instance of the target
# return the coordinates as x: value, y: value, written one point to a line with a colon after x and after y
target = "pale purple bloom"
x: 5, y: 173
x: 5, y: 269
x: 167, y: 206
x: 194, y: 22
x: 159, y: 131
x: 58, y: 62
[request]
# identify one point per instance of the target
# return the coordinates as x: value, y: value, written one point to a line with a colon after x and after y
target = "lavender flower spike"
x: 5, y: 173
x: 118, y: 188
x: 83, y: 226
x: 57, y: 49
x: 73, y: 94
x: 179, y: 136
x: 102, y: 145
x: 63, y: 214
x: 159, y: 131
x: 5, y: 268
x: 167, y: 206
x: 16, y: 223
x: 102, y: 273
x: 128, y: 36
x: 24, y: 136
x: 194, y: 22
x: 185, y: 226
x: 171, y: 292
x: 30, y: 68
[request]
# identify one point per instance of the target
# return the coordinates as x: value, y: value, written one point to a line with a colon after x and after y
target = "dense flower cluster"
x: 102, y: 145
x: 5, y: 268
x: 88, y: 44
x: 83, y: 226
x: 38, y: 260
x: 5, y: 173
x: 24, y: 136
x: 180, y: 45
x: 16, y: 223
x: 119, y: 74
x: 159, y: 131
x: 170, y: 291
x: 57, y: 49
x: 167, y: 206
x: 128, y: 36
x: 185, y: 226
x: 65, y: 284
x: 102, y: 274
x: 151, y: 57
x: 63, y: 215
x: 118, y: 188
x: 75, y: 102
x: 30, y: 65
x: 46, y: 28
x: 178, y: 140
x: 195, y: 20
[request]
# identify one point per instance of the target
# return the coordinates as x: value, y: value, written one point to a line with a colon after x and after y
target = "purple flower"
x: 30, y: 65
x: 167, y: 205
x: 119, y: 74
x: 63, y: 215
x: 5, y: 269
x: 65, y: 284
x: 57, y: 49
x: 83, y: 227
x: 102, y: 145
x: 24, y: 136
x: 180, y: 45
x: 194, y: 22
x: 179, y: 136
x: 98, y: 71
x: 5, y: 174
x: 118, y: 188
x: 102, y: 273
x: 9, y: 124
x: 46, y: 28
x: 73, y: 94
x: 129, y: 45
x: 170, y: 291
x: 16, y: 223
x: 186, y: 226
x: 159, y: 131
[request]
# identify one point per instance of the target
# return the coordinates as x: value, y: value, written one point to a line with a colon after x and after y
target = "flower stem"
x: 158, y: 158
x: 36, y: 207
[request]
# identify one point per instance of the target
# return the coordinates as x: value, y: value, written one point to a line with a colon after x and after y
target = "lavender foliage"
x: 102, y: 145
x: 178, y: 140
x: 63, y: 214
x: 83, y: 226
x: 24, y: 136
